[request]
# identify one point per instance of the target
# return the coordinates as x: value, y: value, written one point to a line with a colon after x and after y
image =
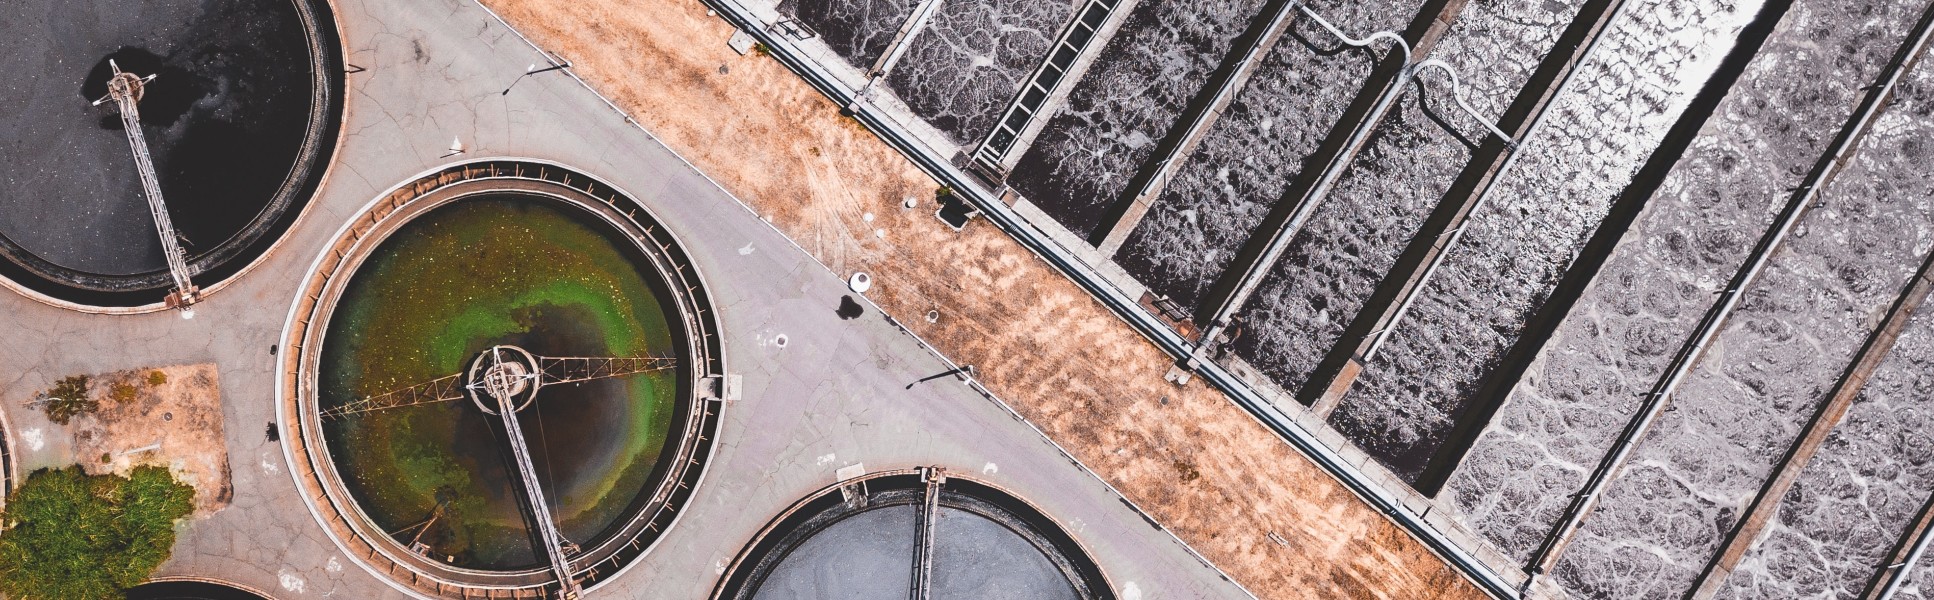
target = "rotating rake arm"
x: 441, y: 389
x: 125, y: 90
x: 504, y: 392
x: 558, y: 370
x: 554, y: 370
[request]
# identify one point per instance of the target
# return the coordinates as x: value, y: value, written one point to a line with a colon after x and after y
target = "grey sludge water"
x: 1127, y: 103
x: 1353, y: 240
x: 857, y: 30
x: 1335, y: 262
x: 866, y: 556
x: 1517, y: 247
x: 870, y: 555
x: 1873, y: 473
x: 1792, y: 337
x: 1648, y: 297
x: 1254, y: 151
x: 961, y: 71
x: 975, y: 557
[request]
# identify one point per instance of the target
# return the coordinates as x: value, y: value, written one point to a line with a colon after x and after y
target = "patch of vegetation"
x: 1187, y: 471
x: 122, y: 392
x: 70, y: 399
x: 945, y: 191
x: 157, y: 378
x: 762, y: 49
x: 76, y: 536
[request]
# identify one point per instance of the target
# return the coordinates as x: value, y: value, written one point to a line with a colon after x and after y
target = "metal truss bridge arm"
x: 554, y: 543
x: 125, y: 90
x: 558, y: 370
x: 555, y: 370
x: 442, y: 389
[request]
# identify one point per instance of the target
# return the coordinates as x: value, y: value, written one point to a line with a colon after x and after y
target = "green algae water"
x: 501, y: 269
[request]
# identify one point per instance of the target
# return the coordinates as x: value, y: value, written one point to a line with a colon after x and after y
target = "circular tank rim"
x: 9, y: 461
x: 229, y: 261
x: 699, y: 407
x: 747, y: 566
x: 208, y: 580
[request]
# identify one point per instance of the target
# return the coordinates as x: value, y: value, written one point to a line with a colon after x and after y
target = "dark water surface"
x: 858, y: 30
x: 1133, y: 95
x: 225, y: 120
x: 457, y: 280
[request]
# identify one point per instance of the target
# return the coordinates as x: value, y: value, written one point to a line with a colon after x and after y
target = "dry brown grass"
x: 1198, y: 463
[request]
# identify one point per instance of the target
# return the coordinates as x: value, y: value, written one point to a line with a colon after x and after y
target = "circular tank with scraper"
x: 238, y: 110
x: 506, y: 381
x: 913, y: 533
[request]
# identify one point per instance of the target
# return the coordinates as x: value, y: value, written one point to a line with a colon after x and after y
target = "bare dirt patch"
x: 1198, y: 463
x: 166, y: 416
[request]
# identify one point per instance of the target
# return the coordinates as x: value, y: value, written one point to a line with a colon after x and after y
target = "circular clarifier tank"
x: 498, y: 269
x: 239, y: 119
x: 884, y: 535
x: 503, y: 357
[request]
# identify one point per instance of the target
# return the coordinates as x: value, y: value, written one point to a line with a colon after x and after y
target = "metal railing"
x: 1027, y: 104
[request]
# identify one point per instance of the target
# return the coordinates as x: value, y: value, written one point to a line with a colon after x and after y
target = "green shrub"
x: 69, y: 399
x: 122, y: 392
x: 74, y: 536
x: 157, y: 378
